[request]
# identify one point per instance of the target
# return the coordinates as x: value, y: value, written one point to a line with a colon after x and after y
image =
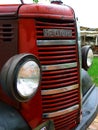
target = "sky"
x: 85, y: 10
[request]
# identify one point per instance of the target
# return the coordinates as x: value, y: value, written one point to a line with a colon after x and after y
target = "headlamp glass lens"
x: 28, y: 79
x: 89, y: 57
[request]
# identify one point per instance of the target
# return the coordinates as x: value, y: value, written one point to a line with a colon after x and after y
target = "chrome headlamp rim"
x: 13, y: 65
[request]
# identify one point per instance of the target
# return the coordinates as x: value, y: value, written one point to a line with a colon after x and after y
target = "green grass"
x: 93, y: 71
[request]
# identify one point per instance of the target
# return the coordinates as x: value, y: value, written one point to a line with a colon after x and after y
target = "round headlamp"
x: 20, y: 76
x: 87, y: 57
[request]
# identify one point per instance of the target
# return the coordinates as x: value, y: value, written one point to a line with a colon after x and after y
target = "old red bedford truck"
x: 44, y: 83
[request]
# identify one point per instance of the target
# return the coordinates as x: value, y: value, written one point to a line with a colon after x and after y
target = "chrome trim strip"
x: 56, y: 42
x: 59, y: 90
x: 62, y: 112
x: 59, y: 66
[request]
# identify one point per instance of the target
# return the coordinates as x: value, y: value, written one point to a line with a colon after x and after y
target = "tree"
x: 36, y: 1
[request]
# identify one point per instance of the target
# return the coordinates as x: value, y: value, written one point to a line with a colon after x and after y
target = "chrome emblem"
x: 57, y: 33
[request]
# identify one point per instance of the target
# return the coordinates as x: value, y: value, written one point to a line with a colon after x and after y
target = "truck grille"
x: 60, y: 74
x: 6, y: 32
x: 8, y: 39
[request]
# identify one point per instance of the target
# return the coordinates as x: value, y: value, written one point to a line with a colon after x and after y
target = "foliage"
x: 36, y: 1
x: 93, y: 71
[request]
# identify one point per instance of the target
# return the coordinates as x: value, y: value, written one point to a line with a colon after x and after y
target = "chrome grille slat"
x: 59, y: 90
x: 58, y: 66
x: 62, y: 112
x: 56, y: 42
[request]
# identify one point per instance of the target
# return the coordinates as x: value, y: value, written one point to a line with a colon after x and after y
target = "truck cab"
x: 44, y: 83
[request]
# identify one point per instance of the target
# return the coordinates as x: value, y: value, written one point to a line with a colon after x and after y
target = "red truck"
x: 44, y: 83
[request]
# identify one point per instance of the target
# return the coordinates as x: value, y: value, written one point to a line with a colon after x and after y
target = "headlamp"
x: 87, y: 57
x: 20, y: 76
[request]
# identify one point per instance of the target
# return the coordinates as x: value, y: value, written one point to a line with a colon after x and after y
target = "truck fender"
x: 86, y: 81
x: 10, y: 119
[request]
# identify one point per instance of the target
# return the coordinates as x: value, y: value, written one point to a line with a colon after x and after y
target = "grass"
x: 93, y: 71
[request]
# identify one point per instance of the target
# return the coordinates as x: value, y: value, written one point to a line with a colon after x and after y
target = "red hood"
x: 8, y: 10
x: 35, y: 10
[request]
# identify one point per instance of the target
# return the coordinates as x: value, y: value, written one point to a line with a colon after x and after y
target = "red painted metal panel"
x: 8, y: 11
x: 46, y: 11
x: 31, y: 110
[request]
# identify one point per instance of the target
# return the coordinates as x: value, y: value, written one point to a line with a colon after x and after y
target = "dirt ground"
x: 94, y: 125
